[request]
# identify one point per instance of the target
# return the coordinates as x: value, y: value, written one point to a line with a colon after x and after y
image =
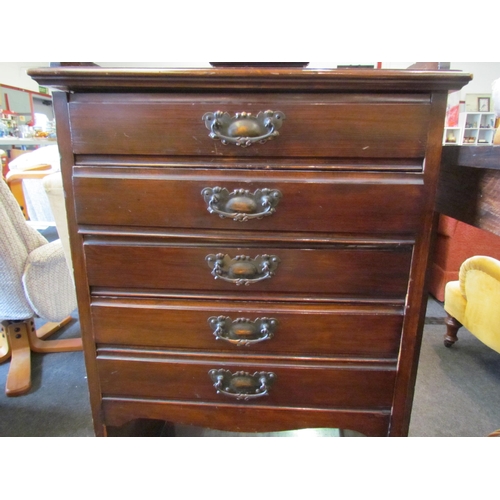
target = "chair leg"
x: 49, y: 328
x: 18, y: 339
x: 452, y: 327
x: 4, y: 344
x: 19, y: 376
x: 61, y: 345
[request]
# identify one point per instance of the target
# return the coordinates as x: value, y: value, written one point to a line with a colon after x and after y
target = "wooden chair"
x: 25, y: 176
x: 15, y: 182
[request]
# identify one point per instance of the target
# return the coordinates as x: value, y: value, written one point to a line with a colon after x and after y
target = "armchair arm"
x: 14, y: 179
x: 487, y: 265
x: 36, y: 172
x: 48, y: 284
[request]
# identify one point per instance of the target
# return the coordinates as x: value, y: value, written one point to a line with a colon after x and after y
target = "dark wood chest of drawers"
x: 250, y: 246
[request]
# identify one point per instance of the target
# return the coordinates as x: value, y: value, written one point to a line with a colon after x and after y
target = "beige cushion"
x: 46, y: 275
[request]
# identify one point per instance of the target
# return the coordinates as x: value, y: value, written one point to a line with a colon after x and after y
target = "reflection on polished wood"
x: 191, y: 431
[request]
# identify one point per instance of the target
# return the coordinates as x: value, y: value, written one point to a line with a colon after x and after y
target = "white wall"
x: 14, y: 74
x: 484, y: 74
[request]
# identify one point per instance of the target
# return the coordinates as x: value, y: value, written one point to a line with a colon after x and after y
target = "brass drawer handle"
x: 242, y: 270
x: 242, y: 385
x: 241, y: 205
x: 242, y: 331
x: 243, y: 129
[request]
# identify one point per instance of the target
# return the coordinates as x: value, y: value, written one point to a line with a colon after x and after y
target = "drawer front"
x: 370, y: 331
x: 192, y: 379
x: 329, y: 125
x: 346, y: 271
x: 179, y: 198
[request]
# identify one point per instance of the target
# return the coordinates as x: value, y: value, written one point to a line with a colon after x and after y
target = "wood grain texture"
x: 469, y: 186
x: 241, y: 418
x: 356, y: 162
x: 348, y: 272
x: 183, y: 378
x: 339, y: 126
x: 249, y: 80
x: 172, y: 198
x: 302, y: 329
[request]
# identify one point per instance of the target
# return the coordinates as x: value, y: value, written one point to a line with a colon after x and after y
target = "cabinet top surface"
x: 262, y: 79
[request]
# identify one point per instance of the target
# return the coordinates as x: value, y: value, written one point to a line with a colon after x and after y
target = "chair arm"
x: 48, y: 283
x: 15, y: 178
x: 488, y: 265
x: 34, y: 172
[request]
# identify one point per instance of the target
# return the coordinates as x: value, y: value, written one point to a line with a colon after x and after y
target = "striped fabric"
x: 34, y: 275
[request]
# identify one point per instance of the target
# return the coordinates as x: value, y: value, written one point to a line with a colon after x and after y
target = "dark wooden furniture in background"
x: 469, y: 186
x: 326, y: 331
x: 468, y: 201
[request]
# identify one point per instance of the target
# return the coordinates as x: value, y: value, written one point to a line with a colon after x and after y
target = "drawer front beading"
x: 238, y: 327
x: 357, y: 271
x: 328, y: 125
x: 325, y: 386
x: 294, y: 201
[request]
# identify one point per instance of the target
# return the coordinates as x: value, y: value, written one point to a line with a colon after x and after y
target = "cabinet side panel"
x: 60, y: 100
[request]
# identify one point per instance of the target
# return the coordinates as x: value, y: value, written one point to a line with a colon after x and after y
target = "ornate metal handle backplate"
x: 241, y: 205
x: 242, y: 270
x: 242, y: 331
x: 243, y: 129
x: 242, y: 385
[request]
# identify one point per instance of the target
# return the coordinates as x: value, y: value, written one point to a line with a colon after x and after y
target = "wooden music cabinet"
x: 250, y: 245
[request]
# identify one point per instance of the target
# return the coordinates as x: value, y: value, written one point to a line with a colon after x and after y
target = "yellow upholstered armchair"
x: 474, y: 302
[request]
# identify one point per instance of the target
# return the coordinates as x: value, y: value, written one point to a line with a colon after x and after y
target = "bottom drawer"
x: 190, y: 378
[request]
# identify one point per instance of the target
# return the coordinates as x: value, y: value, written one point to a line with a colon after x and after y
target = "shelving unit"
x: 474, y: 129
x: 452, y: 135
x: 15, y: 141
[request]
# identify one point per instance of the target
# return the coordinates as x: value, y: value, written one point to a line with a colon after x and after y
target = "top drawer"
x: 315, y: 125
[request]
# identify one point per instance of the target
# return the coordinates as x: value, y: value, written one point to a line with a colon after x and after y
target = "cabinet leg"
x: 141, y: 427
